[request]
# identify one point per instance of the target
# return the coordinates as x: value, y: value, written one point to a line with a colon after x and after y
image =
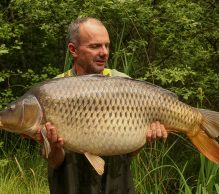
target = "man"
x: 71, y: 173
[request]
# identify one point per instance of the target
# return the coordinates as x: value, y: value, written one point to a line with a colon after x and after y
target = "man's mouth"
x: 101, y: 62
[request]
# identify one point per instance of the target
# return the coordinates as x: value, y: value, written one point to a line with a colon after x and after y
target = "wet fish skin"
x: 22, y: 116
x: 99, y: 115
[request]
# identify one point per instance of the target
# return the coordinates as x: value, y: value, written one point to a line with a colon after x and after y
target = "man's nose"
x: 104, y: 50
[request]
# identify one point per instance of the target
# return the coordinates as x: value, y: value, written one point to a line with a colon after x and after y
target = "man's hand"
x: 57, y: 154
x: 156, y: 130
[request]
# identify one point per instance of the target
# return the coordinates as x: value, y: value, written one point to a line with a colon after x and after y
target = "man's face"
x: 93, y: 51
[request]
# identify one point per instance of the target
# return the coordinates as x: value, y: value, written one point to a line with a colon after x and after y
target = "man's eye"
x: 107, y: 46
x: 97, y: 46
x: 94, y: 46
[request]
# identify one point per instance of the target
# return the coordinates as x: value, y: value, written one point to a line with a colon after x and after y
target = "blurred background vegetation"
x: 174, y: 44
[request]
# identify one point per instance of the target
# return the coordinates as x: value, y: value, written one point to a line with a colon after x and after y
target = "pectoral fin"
x: 46, y: 145
x: 96, y: 161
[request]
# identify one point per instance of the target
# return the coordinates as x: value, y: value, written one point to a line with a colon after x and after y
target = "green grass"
x: 23, y: 170
x: 164, y: 168
x: 161, y: 167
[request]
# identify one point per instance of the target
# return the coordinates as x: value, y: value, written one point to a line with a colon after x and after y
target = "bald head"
x: 74, y: 28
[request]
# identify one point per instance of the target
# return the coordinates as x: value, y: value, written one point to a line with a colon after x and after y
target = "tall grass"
x: 160, y: 168
x: 22, y: 169
x: 208, y: 180
x: 157, y: 171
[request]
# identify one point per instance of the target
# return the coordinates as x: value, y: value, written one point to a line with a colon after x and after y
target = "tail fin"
x: 210, y: 122
x: 207, y: 131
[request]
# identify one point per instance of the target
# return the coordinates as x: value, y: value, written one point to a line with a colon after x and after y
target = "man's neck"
x: 79, y: 70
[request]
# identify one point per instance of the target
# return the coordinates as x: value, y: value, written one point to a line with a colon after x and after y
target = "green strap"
x: 68, y: 61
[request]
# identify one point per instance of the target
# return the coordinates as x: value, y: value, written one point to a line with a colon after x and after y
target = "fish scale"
x: 101, y: 116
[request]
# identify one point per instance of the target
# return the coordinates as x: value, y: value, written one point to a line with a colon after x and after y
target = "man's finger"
x: 158, y: 130
x: 51, y: 133
x: 38, y: 136
x: 148, y: 135
x: 54, y: 137
x: 164, y: 132
x: 154, y: 130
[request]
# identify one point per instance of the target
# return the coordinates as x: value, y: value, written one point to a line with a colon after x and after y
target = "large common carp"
x: 98, y: 115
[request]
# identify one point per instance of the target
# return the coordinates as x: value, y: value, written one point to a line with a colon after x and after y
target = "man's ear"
x: 72, y: 49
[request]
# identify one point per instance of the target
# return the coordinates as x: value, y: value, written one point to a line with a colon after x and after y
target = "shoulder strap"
x: 65, y: 74
x: 113, y: 72
x: 107, y: 72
